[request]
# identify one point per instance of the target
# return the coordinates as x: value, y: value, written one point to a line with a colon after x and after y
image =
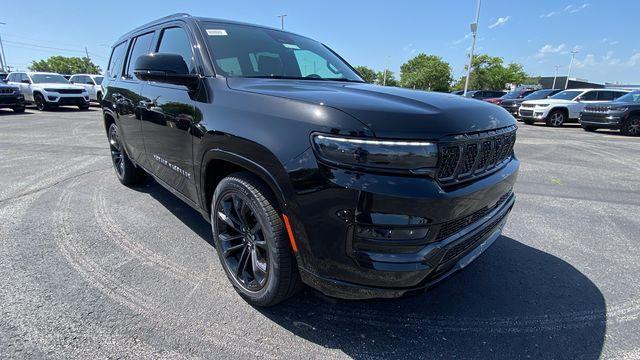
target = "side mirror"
x: 578, y: 99
x: 25, y: 82
x: 165, y: 68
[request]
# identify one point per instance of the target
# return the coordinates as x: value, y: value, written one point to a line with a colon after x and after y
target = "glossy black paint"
x: 190, y: 137
x: 601, y: 117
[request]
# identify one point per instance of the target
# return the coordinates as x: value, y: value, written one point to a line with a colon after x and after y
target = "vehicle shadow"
x: 11, y: 112
x: 514, y: 301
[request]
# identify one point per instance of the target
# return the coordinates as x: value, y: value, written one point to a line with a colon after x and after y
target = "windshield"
x: 513, y: 95
x: 248, y: 51
x: 48, y: 78
x: 537, y: 95
x: 630, y: 97
x: 98, y: 79
x: 566, y: 95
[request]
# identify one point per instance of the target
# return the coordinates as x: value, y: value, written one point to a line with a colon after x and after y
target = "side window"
x: 589, y: 96
x: 88, y: 80
x: 605, y: 95
x: 24, y: 77
x: 117, y: 59
x: 141, y: 46
x: 10, y: 77
x: 73, y: 79
x: 175, y: 41
x: 617, y: 94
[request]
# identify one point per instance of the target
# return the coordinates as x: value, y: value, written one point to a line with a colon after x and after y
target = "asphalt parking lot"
x: 92, y: 269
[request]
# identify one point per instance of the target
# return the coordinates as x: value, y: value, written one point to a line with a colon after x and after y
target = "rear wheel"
x: 18, y: 109
x: 127, y: 173
x: 556, y: 118
x: 251, y: 241
x: 589, y: 128
x: 631, y: 126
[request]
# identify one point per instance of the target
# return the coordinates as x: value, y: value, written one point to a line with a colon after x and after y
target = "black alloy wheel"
x: 41, y: 103
x: 244, y: 247
x: 127, y: 173
x: 251, y: 242
x: 631, y: 126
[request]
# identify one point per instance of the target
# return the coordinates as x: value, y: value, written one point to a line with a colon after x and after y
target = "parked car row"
x: 49, y: 90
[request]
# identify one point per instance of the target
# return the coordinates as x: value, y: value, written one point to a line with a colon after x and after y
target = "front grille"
x: 454, y: 226
x: 6, y: 91
x: 526, y: 112
x: 468, y: 243
x: 475, y: 156
x: 69, y: 91
x: 596, y: 109
x: 528, y: 105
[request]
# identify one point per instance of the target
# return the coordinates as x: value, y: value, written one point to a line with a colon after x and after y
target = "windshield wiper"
x: 281, y: 77
x: 344, y: 79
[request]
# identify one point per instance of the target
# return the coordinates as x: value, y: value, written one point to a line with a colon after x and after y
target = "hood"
x: 7, y: 86
x: 388, y: 111
x: 550, y: 101
x: 59, y: 86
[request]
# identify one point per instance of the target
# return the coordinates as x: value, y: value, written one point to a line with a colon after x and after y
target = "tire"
x: 19, y: 109
x: 631, y: 126
x: 589, y: 128
x: 556, y: 118
x: 99, y: 97
x: 41, y: 103
x: 251, y: 241
x: 528, y: 121
x: 83, y: 107
x: 127, y: 173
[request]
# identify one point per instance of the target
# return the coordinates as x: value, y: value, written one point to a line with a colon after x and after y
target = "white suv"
x: 91, y: 82
x: 49, y: 90
x: 565, y: 106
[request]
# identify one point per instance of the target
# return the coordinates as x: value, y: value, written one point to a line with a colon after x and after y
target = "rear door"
x: 168, y: 118
x: 126, y: 94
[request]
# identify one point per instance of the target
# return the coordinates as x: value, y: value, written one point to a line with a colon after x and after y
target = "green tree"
x: 368, y: 74
x: 489, y: 72
x: 426, y: 72
x: 390, y: 78
x: 66, y: 65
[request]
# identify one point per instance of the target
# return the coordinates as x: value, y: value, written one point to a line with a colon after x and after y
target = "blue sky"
x: 537, y: 34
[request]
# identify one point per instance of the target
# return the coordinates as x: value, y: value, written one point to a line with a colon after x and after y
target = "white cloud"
x: 458, y: 41
x: 501, y: 21
x: 609, y: 41
x: 550, y: 49
x: 569, y: 9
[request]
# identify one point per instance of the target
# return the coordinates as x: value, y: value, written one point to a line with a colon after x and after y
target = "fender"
x: 254, y: 167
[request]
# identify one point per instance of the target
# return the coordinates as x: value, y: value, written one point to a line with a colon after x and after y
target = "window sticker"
x: 216, y: 32
x: 291, y: 46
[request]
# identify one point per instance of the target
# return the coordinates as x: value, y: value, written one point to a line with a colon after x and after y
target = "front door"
x: 167, y: 121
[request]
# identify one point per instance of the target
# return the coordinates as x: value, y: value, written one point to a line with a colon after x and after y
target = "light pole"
x: 282, y: 20
x: 573, y: 55
x: 474, y: 32
x: 555, y: 75
x: 3, y: 58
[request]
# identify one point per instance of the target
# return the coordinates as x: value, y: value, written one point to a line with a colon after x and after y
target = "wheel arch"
x: 218, y: 163
x: 564, y: 109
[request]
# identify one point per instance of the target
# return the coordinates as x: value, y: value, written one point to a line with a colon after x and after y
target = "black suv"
x: 512, y: 101
x: 307, y: 173
x: 11, y: 97
x: 623, y: 114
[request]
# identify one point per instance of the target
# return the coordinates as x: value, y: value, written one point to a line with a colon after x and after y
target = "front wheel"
x: 127, y: 173
x: 528, y: 121
x: 251, y: 241
x: 589, y: 128
x: 556, y: 118
x: 19, y: 109
x: 83, y: 107
x: 631, y: 126
x: 41, y: 103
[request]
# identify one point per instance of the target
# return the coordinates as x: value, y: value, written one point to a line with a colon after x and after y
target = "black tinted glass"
x: 116, y: 60
x: 140, y: 47
x: 175, y: 41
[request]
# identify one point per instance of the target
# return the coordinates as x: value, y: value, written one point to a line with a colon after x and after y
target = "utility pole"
x: 282, y: 20
x: 573, y: 55
x: 555, y: 75
x: 474, y: 32
x: 88, y: 59
x: 3, y: 58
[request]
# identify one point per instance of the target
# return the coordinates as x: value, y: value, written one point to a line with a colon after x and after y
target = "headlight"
x: 379, y: 154
x: 50, y: 90
x: 618, y: 108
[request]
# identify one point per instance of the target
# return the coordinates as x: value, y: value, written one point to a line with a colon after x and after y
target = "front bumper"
x: 461, y: 223
x: 533, y: 113
x: 601, y: 120
x: 11, y: 101
x: 54, y: 98
x: 513, y: 109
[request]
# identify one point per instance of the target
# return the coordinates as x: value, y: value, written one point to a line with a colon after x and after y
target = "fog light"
x: 52, y: 98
